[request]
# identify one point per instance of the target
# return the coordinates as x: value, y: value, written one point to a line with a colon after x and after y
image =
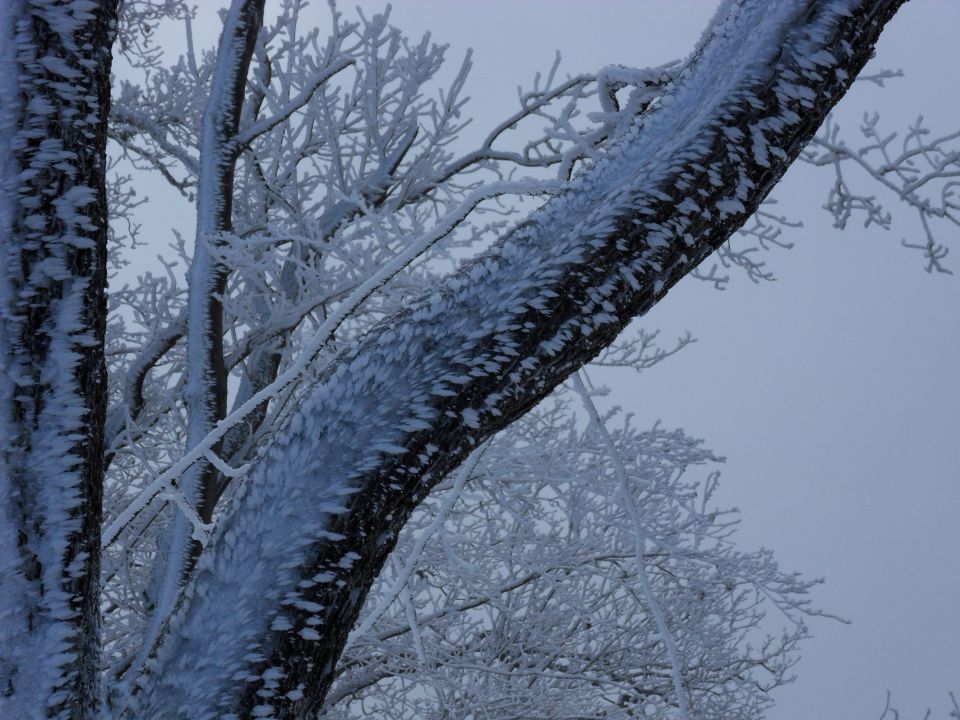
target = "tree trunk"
x: 54, y: 99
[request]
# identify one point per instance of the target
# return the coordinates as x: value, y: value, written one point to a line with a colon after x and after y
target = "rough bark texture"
x: 53, y: 232
x: 313, y: 524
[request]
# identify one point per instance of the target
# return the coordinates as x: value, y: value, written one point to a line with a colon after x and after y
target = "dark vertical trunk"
x: 207, y: 389
x: 205, y: 393
x: 56, y: 67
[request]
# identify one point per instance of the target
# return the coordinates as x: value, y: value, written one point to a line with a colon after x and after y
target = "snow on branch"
x: 677, y: 663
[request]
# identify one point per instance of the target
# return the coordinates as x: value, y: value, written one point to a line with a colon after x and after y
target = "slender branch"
x: 243, y: 139
x: 146, y: 125
x: 639, y: 538
x: 129, y: 409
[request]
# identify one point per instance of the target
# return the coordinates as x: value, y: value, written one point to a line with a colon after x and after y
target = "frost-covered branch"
x: 265, y: 125
x: 125, y: 115
x: 206, y: 386
x: 920, y: 170
x: 677, y: 664
x: 312, y: 525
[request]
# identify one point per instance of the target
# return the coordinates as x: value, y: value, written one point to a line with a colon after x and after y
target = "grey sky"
x: 832, y: 392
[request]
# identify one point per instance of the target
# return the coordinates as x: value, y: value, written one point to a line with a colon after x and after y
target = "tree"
x: 398, y: 394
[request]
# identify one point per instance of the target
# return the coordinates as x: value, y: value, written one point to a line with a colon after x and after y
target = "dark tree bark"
x: 55, y: 62
x: 314, y: 522
x: 207, y: 384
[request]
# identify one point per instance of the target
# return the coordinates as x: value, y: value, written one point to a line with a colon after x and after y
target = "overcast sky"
x: 833, y: 392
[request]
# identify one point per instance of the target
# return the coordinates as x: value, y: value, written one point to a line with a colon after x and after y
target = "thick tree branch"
x: 313, y: 524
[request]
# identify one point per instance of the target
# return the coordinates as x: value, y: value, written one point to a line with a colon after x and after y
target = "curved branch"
x: 265, y: 125
x: 133, y: 399
x: 313, y: 524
